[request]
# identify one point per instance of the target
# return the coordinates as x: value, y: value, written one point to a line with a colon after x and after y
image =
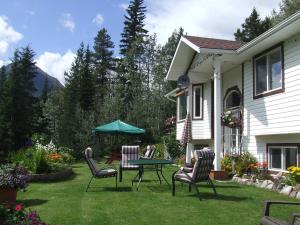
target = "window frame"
x: 195, y: 86
x: 186, y: 94
x: 266, y: 53
x: 283, y: 147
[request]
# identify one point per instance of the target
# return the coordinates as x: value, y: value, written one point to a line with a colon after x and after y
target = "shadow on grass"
x: 109, y: 189
x: 159, y: 188
x: 32, y: 202
x: 207, y: 196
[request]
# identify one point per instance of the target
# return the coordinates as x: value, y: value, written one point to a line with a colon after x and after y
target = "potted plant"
x: 229, y: 120
x: 12, y: 178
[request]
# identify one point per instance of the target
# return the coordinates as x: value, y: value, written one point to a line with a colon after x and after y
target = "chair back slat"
x: 129, y: 153
x: 88, y: 156
x: 203, y: 165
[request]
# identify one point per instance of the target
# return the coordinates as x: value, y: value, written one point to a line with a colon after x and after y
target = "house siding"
x: 201, y: 128
x: 274, y: 118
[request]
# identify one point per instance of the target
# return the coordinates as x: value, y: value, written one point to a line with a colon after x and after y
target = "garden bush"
x: 172, y: 145
x: 243, y: 162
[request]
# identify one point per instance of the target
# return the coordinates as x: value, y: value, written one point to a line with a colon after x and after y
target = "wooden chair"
x: 268, y: 220
x: 128, y: 153
x: 98, y: 173
x: 199, y: 173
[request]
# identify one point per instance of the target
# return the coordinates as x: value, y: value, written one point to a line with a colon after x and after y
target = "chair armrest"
x: 186, y: 169
x: 181, y: 171
x: 293, y: 218
x: 268, y: 204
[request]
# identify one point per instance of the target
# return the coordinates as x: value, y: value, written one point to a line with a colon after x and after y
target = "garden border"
x: 63, y: 174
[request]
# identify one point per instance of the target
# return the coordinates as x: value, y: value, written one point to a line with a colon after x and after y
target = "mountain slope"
x: 39, y: 80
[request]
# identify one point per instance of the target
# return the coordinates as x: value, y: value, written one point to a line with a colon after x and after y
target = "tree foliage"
x: 252, y: 27
x: 286, y: 9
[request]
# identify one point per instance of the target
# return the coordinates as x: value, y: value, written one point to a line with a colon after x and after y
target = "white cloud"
x: 214, y: 18
x: 6, y: 62
x: 123, y: 6
x: 56, y: 64
x: 98, y: 19
x: 8, y: 35
x: 68, y: 22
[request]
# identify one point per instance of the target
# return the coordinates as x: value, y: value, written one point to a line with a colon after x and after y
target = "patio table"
x: 158, y: 163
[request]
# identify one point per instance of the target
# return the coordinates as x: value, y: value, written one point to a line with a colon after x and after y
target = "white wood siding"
x: 278, y: 115
x: 201, y: 129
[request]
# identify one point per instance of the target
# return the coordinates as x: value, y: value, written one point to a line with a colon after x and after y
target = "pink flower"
x: 18, y: 207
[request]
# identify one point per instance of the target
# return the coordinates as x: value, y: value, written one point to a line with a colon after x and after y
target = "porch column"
x: 189, y: 146
x: 217, y: 113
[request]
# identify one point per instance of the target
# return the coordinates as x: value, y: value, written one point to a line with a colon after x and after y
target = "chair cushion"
x: 183, y: 177
x: 267, y: 220
x: 106, y: 173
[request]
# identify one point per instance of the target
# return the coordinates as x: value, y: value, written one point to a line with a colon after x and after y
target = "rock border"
x: 67, y: 172
x: 292, y: 192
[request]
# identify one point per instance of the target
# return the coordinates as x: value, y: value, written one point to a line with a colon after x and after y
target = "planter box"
x: 218, y: 175
x: 8, y: 195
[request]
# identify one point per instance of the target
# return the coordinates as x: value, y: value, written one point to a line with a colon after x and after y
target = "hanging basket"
x: 229, y: 120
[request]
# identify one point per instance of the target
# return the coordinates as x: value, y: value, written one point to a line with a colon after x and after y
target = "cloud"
x: 68, y: 22
x: 214, y: 18
x: 8, y: 35
x: 123, y: 6
x: 98, y: 19
x: 56, y: 64
x: 4, y: 62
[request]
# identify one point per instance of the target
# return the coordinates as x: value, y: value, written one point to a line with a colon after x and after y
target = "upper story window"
x: 182, y: 106
x: 268, y: 72
x: 198, y: 101
x: 233, y: 99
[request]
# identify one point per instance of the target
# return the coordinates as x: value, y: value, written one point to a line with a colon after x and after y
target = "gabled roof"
x: 213, y: 43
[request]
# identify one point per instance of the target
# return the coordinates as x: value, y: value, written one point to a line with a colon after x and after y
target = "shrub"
x: 172, y: 145
x: 293, y: 177
x: 160, y: 150
x: 243, y: 162
x: 226, y: 163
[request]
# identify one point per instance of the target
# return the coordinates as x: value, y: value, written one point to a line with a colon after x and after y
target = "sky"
x: 55, y: 28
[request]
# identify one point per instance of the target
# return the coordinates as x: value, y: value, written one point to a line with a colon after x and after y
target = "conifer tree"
x: 252, y: 28
x: 87, y: 84
x: 103, y: 63
x: 44, y: 95
x: 134, y: 31
x: 286, y: 9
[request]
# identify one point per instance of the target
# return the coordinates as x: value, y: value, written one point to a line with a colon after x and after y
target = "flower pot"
x: 8, y: 195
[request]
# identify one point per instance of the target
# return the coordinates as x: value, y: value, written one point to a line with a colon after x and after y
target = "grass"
x: 66, y: 202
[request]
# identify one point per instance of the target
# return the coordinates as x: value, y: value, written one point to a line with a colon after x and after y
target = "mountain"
x: 39, y: 80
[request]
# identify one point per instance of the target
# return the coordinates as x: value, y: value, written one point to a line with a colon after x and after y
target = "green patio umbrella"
x: 118, y: 127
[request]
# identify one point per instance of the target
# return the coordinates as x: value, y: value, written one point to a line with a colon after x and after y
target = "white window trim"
x: 201, y: 101
x: 283, y: 163
x: 178, y: 104
x: 268, y: 75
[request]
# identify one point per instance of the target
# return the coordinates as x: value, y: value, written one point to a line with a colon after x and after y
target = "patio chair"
x: 98, y: 173
x: 149, y: 154
x: 268, y: 220
x: 128, y: 153
x: 200, y: 171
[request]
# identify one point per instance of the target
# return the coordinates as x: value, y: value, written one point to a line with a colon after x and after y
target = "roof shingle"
x: 212, y: 43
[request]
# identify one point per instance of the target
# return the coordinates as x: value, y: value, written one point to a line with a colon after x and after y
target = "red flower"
x: 18, y: 207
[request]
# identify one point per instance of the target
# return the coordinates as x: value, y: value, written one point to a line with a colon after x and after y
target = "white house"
x: 258, y: 81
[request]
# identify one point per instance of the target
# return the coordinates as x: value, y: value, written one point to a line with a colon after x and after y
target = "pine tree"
x: 87, y: 84
x: 103, y: 63
x: 19, y: 111
x: 286, y: 9
x: 252, y: 28
x: 44, y: 95
x: 134, y: 31
x: 2, y: 77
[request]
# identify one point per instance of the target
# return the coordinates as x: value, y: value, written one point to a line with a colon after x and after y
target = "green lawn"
x: 66, y: 202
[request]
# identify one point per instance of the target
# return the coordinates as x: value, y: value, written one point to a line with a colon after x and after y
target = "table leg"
x: 141, y: 173
x: 161, y: 172
x: 157, y: 170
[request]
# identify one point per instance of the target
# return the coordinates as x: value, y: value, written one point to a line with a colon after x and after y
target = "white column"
x: 189, y: 146
x: 217, y: 113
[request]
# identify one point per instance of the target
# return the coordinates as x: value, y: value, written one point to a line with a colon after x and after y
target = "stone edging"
x: 290, y: 191
x: 52, y: 176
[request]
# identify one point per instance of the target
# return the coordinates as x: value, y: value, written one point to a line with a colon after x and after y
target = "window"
x: 182, y: 107
x: 233, y: 99
x: 268, y: 72
x: 282, y: 157
x: 197, y: 101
